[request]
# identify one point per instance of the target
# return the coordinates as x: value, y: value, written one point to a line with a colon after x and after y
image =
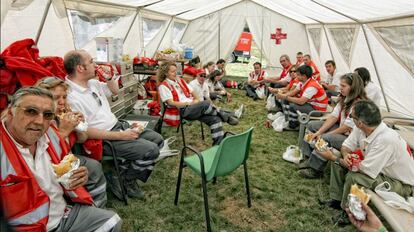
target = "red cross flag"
x: 278, y: 36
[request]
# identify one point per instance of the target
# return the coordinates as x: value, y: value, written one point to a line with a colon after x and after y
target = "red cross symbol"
x: 278, y: 36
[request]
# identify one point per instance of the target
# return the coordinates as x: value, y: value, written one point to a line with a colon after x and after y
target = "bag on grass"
x: 260, y: 91
x: 166, y: 151
x: 279, y: 123
x: 270, y: 104
x: 292, y: 154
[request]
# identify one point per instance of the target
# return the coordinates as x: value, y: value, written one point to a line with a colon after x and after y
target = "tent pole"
x: 163, y: 35
x: 327, y: 39
x: 261, y: 42
x: 42, y: 23
x: 219, y: 34
x: 130, y: 26
x: 369, y: 49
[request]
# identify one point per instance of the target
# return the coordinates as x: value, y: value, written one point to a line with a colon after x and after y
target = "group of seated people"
x: 42, y: 123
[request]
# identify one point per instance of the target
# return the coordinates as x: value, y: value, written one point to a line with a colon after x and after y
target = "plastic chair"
x: 113, y: 157
x: 219, y: 160
x: 182, y: 123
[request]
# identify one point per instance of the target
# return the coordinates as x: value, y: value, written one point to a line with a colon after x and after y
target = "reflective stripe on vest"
x: 321, y: 98
x: 33, y: 216
x: 172, y: 117
x: 6, y: 166
x: 54, y: 138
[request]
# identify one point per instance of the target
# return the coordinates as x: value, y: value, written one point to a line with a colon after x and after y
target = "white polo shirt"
x: 334, y: 79
x: 166, y: 94
x: 345, y: 119
x: 92, y: 102
x: 374, y: 93
x: 41, y: 167
x: 384, y: 152
x: 202, y: 91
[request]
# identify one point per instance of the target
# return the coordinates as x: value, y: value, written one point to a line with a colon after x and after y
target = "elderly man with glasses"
x: 386, y: 158
x: 140, y: 148
x: 30, y: 194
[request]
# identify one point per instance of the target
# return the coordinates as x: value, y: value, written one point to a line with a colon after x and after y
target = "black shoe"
x: 341, y: 219
x: 133, y: 190
x: 114, y: 186
x: 232, y: 121
x: 310, y: 173
x: 335, y: 204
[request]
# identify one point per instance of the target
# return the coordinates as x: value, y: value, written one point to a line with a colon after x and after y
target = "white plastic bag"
x: 393, y: 199
x: 270, y: 103
x: 260, y: 91
x: 292, y: 154
x: 279, y: 123
x: 165, y: 151
x: 273, y: 117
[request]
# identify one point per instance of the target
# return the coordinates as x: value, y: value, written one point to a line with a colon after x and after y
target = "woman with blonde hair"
x: 67, y: 123
x: 335, y: 129
x: 182, y: 101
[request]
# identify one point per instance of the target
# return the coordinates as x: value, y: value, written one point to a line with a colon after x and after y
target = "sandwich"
x: 360, y: 193
x: 65, y: 165
x: 321, y: 145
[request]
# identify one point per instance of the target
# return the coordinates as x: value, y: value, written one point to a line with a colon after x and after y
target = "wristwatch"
x: 337, y: 161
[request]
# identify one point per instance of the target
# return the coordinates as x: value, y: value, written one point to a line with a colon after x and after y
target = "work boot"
x: 341, y: 219
x: 232, y: 121
x: 133, y: 190
x: 334, y: 204
x: 304, y: 164
x: 310, y: 173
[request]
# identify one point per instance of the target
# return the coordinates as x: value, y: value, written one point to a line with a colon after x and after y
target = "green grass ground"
x: 281, y: 199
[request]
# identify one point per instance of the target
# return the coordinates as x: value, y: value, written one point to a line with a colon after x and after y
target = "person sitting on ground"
x: 299, y: 59
x: 372, y: 90
x: 201, y: 89
x: 386, y: 157
x: 31, y: 196
x: 284, y: 78
x: 331, y: 82
x: 217, y: 90
x: 221, y: 67
x: 292, y: 90
x: 255, y: 81
x: 335, y: 129
x: 66, y: 121
x: 315, y: 71
x: 312, y: 97
x: 181, y: 100
x: 138, y: 146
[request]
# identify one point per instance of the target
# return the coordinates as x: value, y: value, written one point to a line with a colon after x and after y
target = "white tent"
x: 377, y: 34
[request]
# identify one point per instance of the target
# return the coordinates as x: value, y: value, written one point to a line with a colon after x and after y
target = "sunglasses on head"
x: 34, y: 112
x: 49, y: 80
x: 349, y: 76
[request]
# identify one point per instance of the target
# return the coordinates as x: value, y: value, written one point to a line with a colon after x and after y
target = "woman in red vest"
x: 181, y: 100
x: 312, y: 97
x: 67, y: 123
x: 335, y: 129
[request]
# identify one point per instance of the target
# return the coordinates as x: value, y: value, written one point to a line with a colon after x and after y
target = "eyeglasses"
x: 97, y: 98
x: 34, y: 112
x: 291, y: 71
x: 202, y: 75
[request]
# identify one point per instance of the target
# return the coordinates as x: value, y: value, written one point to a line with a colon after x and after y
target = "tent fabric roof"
x: 303, y: 11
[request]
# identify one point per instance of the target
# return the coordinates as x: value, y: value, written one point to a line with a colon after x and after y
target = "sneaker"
x: 310, y: 173
x: 133, y: 190
x: 304, y: 164
x: 233, y: 120
x: 114, y: 186
x: 335, y: 204
x: 241, y: 85
x: 341, y: 219
x: 239, y: 111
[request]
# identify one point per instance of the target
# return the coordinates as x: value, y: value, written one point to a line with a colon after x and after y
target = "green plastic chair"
x: 219, y: 160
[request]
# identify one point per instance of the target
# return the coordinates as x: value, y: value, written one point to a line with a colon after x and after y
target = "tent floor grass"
x: 281, y: 199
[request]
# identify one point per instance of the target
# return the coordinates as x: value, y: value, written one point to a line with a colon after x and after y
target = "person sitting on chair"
x: 331, y: 82
x: 315, y: 71
x: 335, y: 129
x: 66, y: 121
x: 181, y: 100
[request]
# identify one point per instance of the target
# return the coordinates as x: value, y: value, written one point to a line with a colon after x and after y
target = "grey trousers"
x: 251, y: 92
x: 88, y: 218
x: 96, y: 184
x: 316, y: 161
x: 206, y: 113
x: 293, y: 116
x: 139, y: 155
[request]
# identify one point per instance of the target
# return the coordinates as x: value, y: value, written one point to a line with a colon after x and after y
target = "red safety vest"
x: 172, y: 114
x: 319, y: 101
x: 315, y: 75
x: 30, y: 211
x: 285, y: 72
x: 260, y: 77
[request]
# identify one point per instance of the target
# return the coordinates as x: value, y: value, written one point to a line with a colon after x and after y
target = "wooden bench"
x: 400, y: 220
